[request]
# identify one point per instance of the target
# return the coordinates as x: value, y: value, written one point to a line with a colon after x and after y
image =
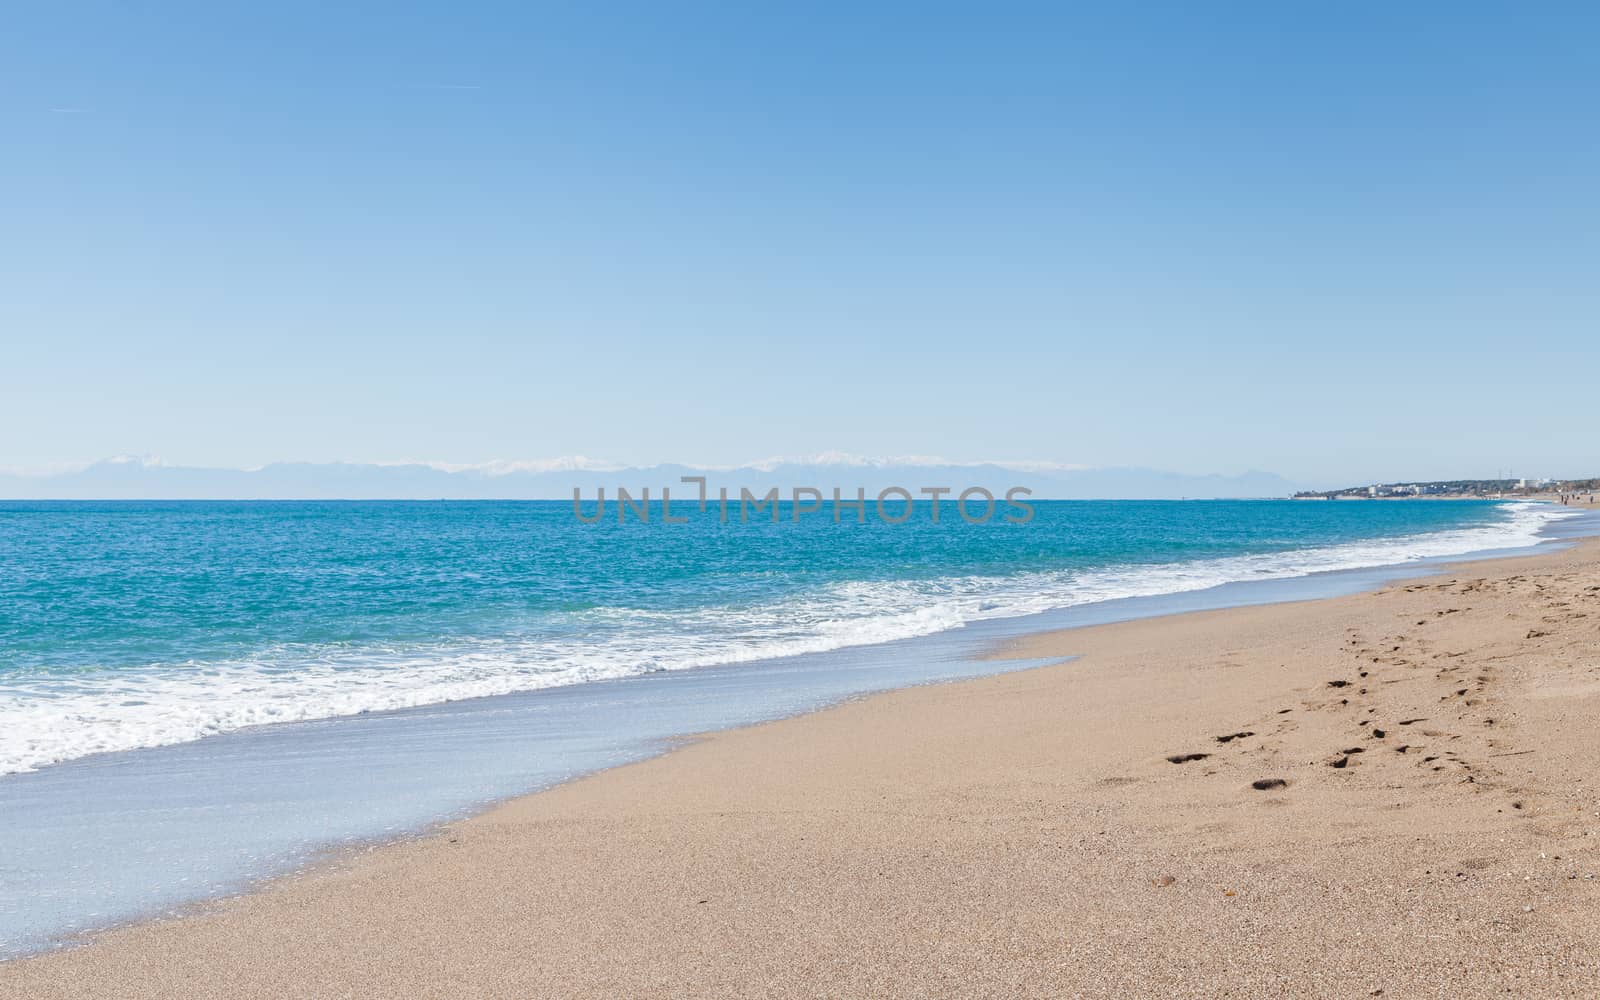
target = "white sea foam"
x: 48, y: 719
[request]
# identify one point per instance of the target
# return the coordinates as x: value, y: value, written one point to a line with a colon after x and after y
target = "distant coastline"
x: 1461, y: 489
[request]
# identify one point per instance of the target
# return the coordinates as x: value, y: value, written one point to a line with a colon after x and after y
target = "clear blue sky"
x: 1336, y: 241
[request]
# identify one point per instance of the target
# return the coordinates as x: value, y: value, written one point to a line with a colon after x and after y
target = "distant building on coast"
x: 1447, y: 488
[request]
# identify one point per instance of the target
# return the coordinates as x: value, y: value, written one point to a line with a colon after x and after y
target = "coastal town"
x: 1455, y: 488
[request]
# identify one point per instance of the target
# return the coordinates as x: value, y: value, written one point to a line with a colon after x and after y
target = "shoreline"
x: 243, y: 696
x: 613, y: 796
x: 111, y: 841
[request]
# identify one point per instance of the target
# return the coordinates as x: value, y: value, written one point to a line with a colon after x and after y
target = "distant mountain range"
x: 124, y: 478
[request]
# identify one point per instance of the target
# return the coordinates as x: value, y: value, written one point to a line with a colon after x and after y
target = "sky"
x: 1340, y: 242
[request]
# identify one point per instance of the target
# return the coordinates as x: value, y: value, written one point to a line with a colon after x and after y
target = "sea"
x: 198, y: 695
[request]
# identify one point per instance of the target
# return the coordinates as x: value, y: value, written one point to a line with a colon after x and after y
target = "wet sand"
x: 1389, y: 794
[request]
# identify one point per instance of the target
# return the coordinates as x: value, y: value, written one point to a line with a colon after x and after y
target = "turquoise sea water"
x: 126, y: 625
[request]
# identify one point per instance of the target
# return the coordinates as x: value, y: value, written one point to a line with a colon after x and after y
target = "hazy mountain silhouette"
x: 134, y: 479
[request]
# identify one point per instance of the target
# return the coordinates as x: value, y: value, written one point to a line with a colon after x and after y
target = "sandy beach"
x: 1388, y: 794
x: 525, y: 501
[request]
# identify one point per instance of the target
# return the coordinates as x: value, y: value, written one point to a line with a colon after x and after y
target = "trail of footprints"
x: 1449, y: 730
